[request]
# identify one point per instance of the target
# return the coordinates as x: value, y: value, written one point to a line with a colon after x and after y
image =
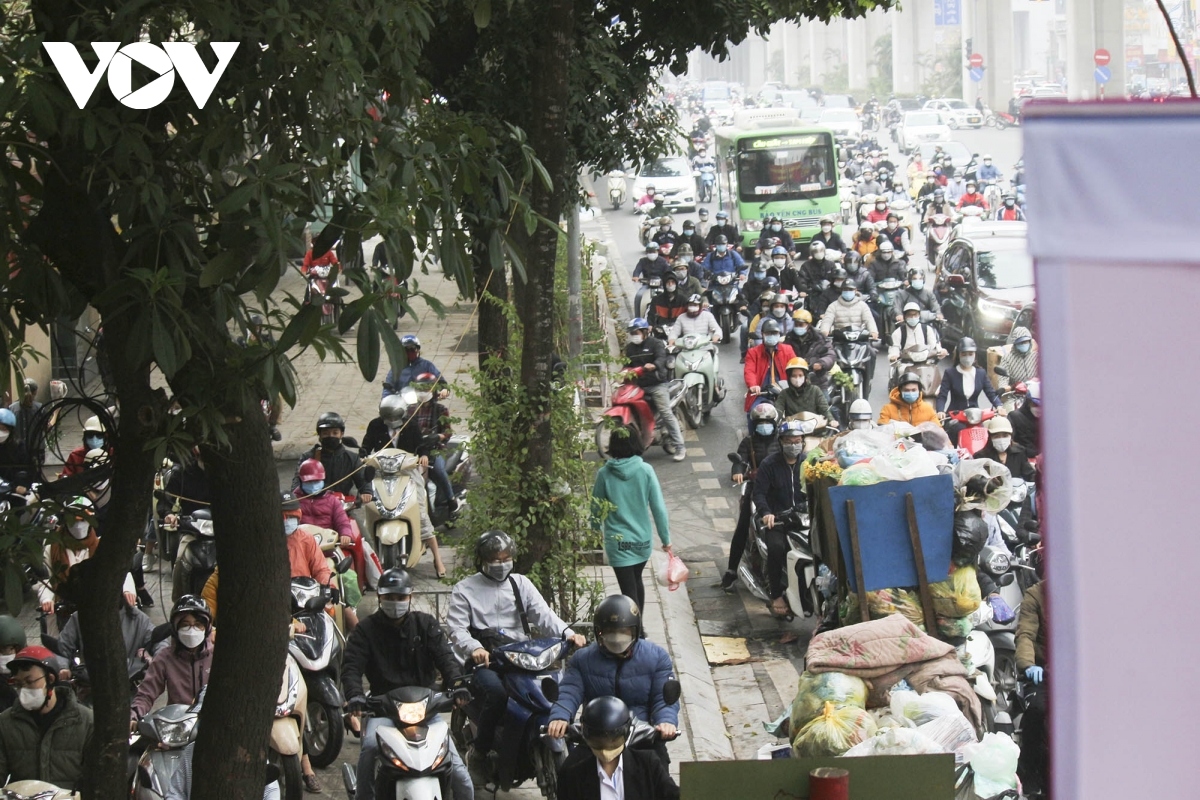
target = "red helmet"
x: 312, y: 470
x: 35, y: 655
x: 425, y: 379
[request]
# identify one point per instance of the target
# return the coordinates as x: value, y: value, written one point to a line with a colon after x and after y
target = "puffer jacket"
x: 757, y: 371
x: 56, y: 756
x: 913, y: 414
x: 856, y: 314
x: 326, y: 511
x: 179, y: 672
x: 638, y: 680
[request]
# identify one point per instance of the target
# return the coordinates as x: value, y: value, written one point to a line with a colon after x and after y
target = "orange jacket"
x: 913, y: 414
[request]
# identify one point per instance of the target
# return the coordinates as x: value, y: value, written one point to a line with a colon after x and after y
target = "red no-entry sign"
x: 1102, y: 57
x: 975, y: 60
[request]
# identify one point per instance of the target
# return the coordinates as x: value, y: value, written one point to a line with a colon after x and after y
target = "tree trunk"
x: 549, y: 100
x: 253, y: 603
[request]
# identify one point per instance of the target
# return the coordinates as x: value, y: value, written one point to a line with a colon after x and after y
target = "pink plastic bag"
x: 676, y: 572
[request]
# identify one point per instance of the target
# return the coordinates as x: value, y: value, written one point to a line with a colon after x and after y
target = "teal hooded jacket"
x: 632, y: 487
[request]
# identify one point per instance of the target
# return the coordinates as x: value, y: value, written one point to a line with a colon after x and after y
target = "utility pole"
x: 574, y: 284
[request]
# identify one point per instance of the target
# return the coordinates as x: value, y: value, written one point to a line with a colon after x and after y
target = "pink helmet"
x: 312, y: 470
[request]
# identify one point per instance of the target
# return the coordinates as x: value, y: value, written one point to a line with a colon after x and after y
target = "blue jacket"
x: 730, y: 262
x: 638, y: 680
x: 409, y: 374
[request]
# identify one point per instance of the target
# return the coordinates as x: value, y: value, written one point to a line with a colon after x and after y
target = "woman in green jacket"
x: 629, y: 484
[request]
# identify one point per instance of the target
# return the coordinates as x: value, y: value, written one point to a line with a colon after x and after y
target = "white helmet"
x: 860, y: 409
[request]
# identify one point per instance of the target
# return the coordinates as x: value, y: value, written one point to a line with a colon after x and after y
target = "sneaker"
x: 728, y: 580
x: 145, y: 600
x: 679, y: 455
x: 311, y: 784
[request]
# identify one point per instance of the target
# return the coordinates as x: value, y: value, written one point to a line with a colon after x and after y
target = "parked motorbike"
x: 703, y: 388
x: 530, y: 673
x: 291, y: 711
x: 631, y: 407
x: 199, y: 559
x: 324, y: 289
x: 318, y: 653
x: 616, y: 188
x: 159, y: 742
x: 394, y: 516
x: 937, y: 233
x: 725, y: 295
x: 855, y: 357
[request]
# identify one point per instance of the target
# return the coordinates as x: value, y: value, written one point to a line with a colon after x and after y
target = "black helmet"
x: 839, y: 274
x: 190, y: 604
x: 12, y: 634
x: 491, y: 544
x: 722, y: 239
x: 605, y: 722
x: 967, y: 345
x: 331, y: 419
x: 769, y: 326
x: 289, y: 501
x: 911, y: 377
x: 617, y: 611
x: 395, y: 581
x: 849, y: 285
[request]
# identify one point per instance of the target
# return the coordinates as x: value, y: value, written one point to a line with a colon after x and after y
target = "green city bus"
x: 770, y: 164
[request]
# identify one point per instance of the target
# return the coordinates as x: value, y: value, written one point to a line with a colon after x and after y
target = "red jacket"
x: 758, y: 365
x: 327, y: 260
x: 325, y: 510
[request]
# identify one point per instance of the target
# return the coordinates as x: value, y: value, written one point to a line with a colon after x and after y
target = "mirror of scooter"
x: 344, y: 565
x: 1001, y: 371
x: 672, y: 689
x: 550, y: 689
x: 735, y: 458
x: 1006, y: 579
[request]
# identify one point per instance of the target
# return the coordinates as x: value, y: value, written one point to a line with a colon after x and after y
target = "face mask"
x: 290, y: 524
x: 826, y: 229
x: 616, y: 643
x: 79, y: 530
x: 499, y: 570
x: 669, y: 288
x: 610, y: 755
x: 912, y: 322
x: 664, y: 228
x: 881, y: 206
x: 779, y: 262
x: 796, y: 381
x: 721, y: 248
x: 688, y: 231
x: 4, y: 663
x: 917, y: 285
x: 764, y: 429
x: 1001, y: 444
x: 852, y: 267
x: 848, y: 295
x: 681, y: 274
x: 1023, y: 347
x: 1036, y: 411
x: 967, y: 361
x: 1010, y: 203
x: 891, y: 226
x: 860, y: 424
x: 693, y: 311
x: 312, y: 487
x: 759, y: 274
x: 3, y: 437
x: 93, y: 442
x: 776, y: 227
x: 819, y: 256
x: 801, y: 330
x: 779, y: 313
x: 910, y: 397
x: 331, y: 442
x: 837, y: 284
x: 987, y: 162
x: 771, y: 340
x: 793, y: 450
x: 190, y: 637
x: 637, y: 338
x: 394, y: 609
x: 32, y: 699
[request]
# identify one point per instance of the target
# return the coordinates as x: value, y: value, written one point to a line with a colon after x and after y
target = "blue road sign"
x: 947, y: 12
x: 976, y: 74
x: 1103, y: 74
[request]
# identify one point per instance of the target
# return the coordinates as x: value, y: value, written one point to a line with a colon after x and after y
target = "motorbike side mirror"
x: 735, y: 458
x: 1006, y: 579
x: 1034, y: 537
x: 1001, y: 371
x: 550, y: 689
x: 672, y: 689
x: 344, y: 565
x: 1032, y: 525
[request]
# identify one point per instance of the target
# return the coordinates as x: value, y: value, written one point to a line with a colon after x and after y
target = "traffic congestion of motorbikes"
x: 810, y: 316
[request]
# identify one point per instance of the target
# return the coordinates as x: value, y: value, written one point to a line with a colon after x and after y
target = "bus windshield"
x: 786, y: 167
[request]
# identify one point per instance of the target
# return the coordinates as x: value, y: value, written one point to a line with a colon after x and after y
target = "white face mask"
x: 1037, y: 412
x: 3, y: 436
x: 79, y: 530
x: 190, y: 637
x: 826, y: 228
x: 394, y: 609
x: 4, y: 661
x: 1001, y: 443
x: 796, y: 381
x: 32, y: 699
x: 616, y: 643
x: 637, y: 338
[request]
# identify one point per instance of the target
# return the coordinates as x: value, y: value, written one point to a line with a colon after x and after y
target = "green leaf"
x: 221, y: 267
x: 163, y: 348
x: 238, y: 199
x: 298, y: 327
x: 483, y: 13
x: 368, y: 345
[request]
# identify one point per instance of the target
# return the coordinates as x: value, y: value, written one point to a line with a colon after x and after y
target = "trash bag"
x: 958, y: 595
x: 951, y: 731
x: 994, y: 762
x: 923, y: 708
x: 953, y: 628
x: 883, y: 603
x: 933, y: 437
x: 814, y: 690
x: 897, y: 742
x: 905, y: 462
x: 834, y: 732
x: 855, y: 446
x: 351, y: 592
x: 860, y: 474
x: 982, y: 483
x: 970, y: 535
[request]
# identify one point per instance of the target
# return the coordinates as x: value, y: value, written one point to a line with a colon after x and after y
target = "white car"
x: 844, y: 123
x: 956, y: 112
x: 672, y: 180
x: 918, y: 127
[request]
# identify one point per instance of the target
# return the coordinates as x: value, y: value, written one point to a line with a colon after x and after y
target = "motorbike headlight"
x: 998, y: 563
x: 389, y: 465
x: 391, y: 755
x: 1019, y: 492
x: 997, y: 311
x: 724, y: 278
x: 175, y: 734
x: 302, y: 594
x: 412, y: 713
x: 535, y: 662
x: 754, y: 224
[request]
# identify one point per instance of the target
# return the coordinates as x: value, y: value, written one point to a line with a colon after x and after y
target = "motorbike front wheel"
x: 291, y: 778
x: 693, y: 406
x: 603, y: 434
x: 546, y: 763
x: 389, y: 555
x: 323, y: 733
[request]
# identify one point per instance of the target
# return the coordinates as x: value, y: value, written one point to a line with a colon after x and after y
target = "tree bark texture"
x: 253, y: 603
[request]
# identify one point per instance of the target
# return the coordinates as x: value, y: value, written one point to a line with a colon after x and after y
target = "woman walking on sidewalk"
x: 630, y: 485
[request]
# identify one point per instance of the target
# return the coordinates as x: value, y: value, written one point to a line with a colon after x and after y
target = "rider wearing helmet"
x: 649, y: 199
x: 860, y: 415
x: 15, y: 464
x: 723, y: 258
x: 815, y: 272
x: 938, y: 204
x: 342, y: 473
x: 45, y: 735
x: 774, y: 230
x: 78, y: 542
x: 862, y: 277
x: 652, y: 264
x: 1002, y: 448
x: 667, y: 307
x: 811, y: 345
x: 605, y: 724
x: 665, y: 235
x: 620, y: 663
x: 325, y: 510
x: 829, y: 295
x: 723, y: 227
x: 646, y: 356
x: 988, y: 172
x: 972, y: 197
x: 1009, y: 211
x: 886, y: 262
x: 917, y: 292
x: 492, y: 607
x: 1027, y: 420
x: 766, y: 363
x: 963, y: 383
x: 94, y: 437
x: 907, y: 403
x: 800, y: 395
x: 778, y: 488
x: 914, y: 332
x: 695, y: 320
x: 897, y: 234
x: 849, y: 311
x: 415, y: 365
x: 865, y: 241
x: 827, y: 236
x: 181, y: 669
x: 12, y: 641
x: 780, y: 258
x: 398, y: 646
x: 752, y: 450
x: 880, y: 212
x: 690, y: 237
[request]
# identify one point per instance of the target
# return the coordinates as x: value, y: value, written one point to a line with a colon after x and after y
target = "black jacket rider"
x: 340, y: 465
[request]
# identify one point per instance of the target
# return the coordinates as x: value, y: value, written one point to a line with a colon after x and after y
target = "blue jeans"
x: 460, y: 779
x: 437, y: 473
